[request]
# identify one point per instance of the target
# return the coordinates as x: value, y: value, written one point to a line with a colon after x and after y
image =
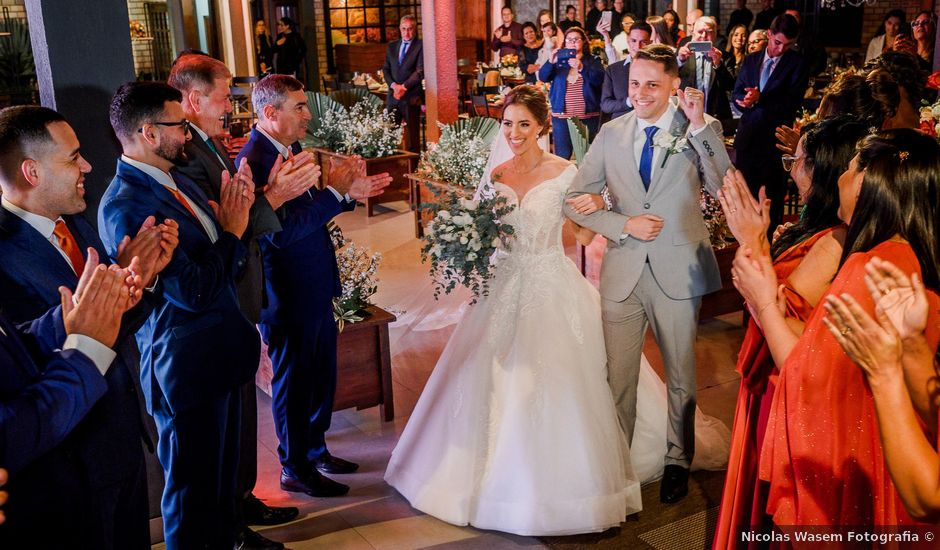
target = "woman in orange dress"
x: 822, y: 155
x: 822, y: 456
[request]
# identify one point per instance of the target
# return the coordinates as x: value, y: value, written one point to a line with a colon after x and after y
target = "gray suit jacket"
x: 204, y: 168
x: 681, y: 257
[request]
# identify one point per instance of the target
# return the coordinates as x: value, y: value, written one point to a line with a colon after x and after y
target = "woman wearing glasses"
x: 805, y: 259
x: 923, y: 29
x: 575, y: 91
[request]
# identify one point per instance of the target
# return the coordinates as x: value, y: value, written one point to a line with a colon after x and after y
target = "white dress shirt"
x: 166, y: 180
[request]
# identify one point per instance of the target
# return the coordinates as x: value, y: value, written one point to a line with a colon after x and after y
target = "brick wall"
x: 321, y: 53
x: 143, y: 60
x: 15, y: 8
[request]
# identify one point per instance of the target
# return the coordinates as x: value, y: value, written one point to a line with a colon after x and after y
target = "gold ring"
x: 846, y: 330
x: 886, y: 291
x: 733, y: 210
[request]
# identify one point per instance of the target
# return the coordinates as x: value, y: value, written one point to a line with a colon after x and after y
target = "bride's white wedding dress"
x: 516, y: 428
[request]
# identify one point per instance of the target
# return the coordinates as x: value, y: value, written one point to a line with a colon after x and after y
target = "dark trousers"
x: 198, y: 450
x: 304, y: 359
x: 119, y: 514
x: 409, y: 110
x: 761, y: 167
x: 248, y: 451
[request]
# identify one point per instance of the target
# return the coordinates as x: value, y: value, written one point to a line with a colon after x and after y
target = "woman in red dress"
x: 822, y: 456
x: 806, y: 258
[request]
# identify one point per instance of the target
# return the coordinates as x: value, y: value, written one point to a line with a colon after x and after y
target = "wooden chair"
x: 242, y: 109
x: 491, y: 78
x: 329, y: 83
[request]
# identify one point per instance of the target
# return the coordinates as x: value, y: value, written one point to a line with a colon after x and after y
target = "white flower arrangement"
x: 358, y: 282
x: 458, y: 158
x: 460, y: 239
x: 366, y: 130
x: 930, y: 118
x: 511, y: 72
x: 672, y: 143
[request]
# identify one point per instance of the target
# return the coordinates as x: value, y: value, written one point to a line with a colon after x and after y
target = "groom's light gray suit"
x: 658, y: 282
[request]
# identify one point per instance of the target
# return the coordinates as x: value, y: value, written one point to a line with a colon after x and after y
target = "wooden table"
x: 364, y: 365
x: 397, y: 165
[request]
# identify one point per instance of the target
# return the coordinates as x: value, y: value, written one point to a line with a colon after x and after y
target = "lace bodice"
x: 538, y: 220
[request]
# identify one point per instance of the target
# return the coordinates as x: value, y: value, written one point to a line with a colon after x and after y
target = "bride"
x: 516, y: 429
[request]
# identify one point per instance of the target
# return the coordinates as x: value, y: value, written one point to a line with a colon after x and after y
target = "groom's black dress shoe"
x: 313, y: 484
x: 259, y: 513
x: 675, y: 484
x: 329, y: 464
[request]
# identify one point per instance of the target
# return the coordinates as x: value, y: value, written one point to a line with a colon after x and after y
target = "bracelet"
x: 765, y: 306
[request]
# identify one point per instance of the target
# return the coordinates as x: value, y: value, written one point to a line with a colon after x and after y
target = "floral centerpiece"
x: 366, y: 130
x: 458, y: 158
x: 930, y: 118
x: 509, y: 67
x: 358, y: 282
x: 460, y: 240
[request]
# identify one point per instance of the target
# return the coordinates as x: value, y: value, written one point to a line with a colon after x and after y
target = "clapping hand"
x: 751, y: 97
x: 875, y: 346
x: 235, y: 199
x: 747, y: 218
x: 754, y: 276
x: 153, y: 248
x: 290, y: 178
x: 101, y: 298
x: 902, y: 300
x: 787, y: 138
x: 350, y: 178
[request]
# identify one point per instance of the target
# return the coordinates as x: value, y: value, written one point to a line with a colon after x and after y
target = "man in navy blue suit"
x: 53, y: 373
x: 204, y: 83
x: 769, y: 91
x: 196, y: 347
x: 404, y: 72
x: 44, y: 242
x: 301, y: 279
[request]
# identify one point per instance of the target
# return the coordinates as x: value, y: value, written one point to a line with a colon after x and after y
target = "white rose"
x: 475, y: 245
x: 463, y: 219
x: 468, y: 204
x: 471, y: 256
x: 464, y: 240
x: 935, y: 110
x: 444, y: 215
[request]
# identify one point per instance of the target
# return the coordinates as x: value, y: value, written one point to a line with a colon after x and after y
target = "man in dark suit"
x: 615, y: 95
x: 302, y: 278
x: 769, y: 91
x: 44, y: 241
x: 706, y: 72
x: 204, y: 83
x: 54, y: 371
x: 197, y: 348
x: 404, y: 71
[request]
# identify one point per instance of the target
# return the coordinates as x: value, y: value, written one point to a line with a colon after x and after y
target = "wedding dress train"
x: 516, y: 428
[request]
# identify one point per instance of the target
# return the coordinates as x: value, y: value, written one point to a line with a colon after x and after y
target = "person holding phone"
x: 577, y: 78
x: 701, y: 67
x: 892, y: 27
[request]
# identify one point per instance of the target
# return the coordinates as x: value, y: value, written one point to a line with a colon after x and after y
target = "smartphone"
x: 564, y: 54
x: 605, y: 22
x: 700, y: 47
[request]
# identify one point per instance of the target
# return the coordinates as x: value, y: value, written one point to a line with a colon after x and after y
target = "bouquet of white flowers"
x: 365, y: 130
x: 357, y: 269
x: 460, y: 239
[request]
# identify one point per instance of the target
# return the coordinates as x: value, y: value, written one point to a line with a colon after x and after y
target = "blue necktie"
x: 765, y: 73
x: 403, y: 51
x: 646, y: 157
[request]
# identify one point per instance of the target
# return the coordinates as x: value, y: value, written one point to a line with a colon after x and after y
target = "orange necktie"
x: 69, y: 246
x: 182, y: 200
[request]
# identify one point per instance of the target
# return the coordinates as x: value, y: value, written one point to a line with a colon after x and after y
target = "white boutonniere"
x: 672, y: 143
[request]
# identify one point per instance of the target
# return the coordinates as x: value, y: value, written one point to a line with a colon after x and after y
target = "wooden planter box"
x: 726, y: 299
x: 363, y: 365
x: 397, y: 165
x: 421, y: 194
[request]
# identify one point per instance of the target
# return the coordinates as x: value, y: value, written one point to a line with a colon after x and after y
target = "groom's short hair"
x: 662, y: 54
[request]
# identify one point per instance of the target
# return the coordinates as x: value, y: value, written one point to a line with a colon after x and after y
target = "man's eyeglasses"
x: 187, y: 125
x: 789, y: 161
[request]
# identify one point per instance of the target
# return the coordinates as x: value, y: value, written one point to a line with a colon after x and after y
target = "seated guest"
x: 615, y: 92
x: 404, y: 73
x: 705, y: 71
x: 887, y: 34
x: 575, y: 92
x: 45, y: 242
x: 301, y: 280
x: 204, y: 83
x: 528, y: 59
x: 197, y: 348
x: 805, y: 257
x: 54, y: 372
x: 835, y: 473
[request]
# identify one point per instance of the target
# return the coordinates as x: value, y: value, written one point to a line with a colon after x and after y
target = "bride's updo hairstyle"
x: 534, y: 100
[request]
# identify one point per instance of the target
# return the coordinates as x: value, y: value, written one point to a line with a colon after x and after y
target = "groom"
x: 659, y: 261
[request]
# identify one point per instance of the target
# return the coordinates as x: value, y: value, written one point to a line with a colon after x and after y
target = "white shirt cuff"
x: 339, y: 197
x: 698, y: 131
x: 100, y: 354
x: 153, y: 287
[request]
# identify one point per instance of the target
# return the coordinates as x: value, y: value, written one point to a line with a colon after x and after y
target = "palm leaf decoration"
x: 579, y: 139
x: 318, y: 104
x: 348, y: 98
x: 484, y: 128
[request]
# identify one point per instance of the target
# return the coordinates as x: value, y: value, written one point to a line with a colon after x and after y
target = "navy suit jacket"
x: 410, y: 72
x: 616, y: 89
x: 719, y: 87
x: 196, y: 344
x: 778, y: 104
x: 299, y: 262
x: 108, y: 441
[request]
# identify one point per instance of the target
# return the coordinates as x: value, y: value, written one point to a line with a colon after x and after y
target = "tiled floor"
x: 373, y: 515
